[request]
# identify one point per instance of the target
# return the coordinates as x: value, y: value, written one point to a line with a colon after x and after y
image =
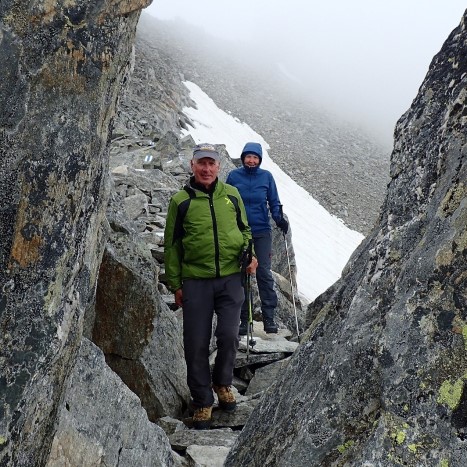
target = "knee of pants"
x: 264, y: 276
x: 227, y: 337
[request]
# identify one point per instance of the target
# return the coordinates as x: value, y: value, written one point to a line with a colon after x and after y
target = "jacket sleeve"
x: 242, y: 219
x: 173, y: 250
x: 273, y: 200
x: 243, y: 223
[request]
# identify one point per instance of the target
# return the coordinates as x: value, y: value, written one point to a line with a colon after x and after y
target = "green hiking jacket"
x: 205, y: 234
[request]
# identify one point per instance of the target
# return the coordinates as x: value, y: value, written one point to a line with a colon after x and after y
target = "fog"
x: 364, y: 60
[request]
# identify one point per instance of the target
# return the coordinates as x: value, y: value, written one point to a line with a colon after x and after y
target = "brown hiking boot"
x: 202, y: 418
x: 226, y: 398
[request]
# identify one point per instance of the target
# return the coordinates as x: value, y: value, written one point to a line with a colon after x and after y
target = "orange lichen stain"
x: 49, y: 10
x: 62, y: 72
x: 26, y: 252
x: 124, y: 7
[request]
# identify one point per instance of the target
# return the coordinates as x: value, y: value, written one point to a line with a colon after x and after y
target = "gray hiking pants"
x: 201, y: 299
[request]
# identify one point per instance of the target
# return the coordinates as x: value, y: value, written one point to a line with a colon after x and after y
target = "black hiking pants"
x: 201, y: 299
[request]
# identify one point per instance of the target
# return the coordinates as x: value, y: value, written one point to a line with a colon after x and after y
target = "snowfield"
x: 322, y: 243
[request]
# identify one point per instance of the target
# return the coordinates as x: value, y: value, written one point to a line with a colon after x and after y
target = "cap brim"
x: 210, y: 154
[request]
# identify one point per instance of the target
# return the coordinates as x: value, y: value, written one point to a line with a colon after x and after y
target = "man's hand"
x: 179, y: 297
x: 251, y: 268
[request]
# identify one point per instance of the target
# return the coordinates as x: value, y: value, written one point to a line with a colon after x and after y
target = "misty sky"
x: 364, y: 59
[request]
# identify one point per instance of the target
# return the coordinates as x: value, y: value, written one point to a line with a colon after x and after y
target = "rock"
x: 136, y: 205
x: 154, y: 91
x: 146, y: 180
x: 269, y: 343
x: 102, y: 422
x: 207, y: 456
x: 239, y: 384
x: 158, y: 254
x: 235, y: 420
x: 62, y: 71
x: 265, y: 377
x: 218, y: 437
x: 243, y: 360
x: 138, y: 333
x: 379, y: 377
x: 171, y: 425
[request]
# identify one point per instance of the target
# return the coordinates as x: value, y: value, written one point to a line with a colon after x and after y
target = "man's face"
x: 205, y: 170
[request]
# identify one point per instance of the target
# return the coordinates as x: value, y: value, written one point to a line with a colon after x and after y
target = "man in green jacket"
x: 205, y: 235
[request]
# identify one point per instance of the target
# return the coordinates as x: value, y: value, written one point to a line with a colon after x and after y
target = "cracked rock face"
x: 380, y: 377
x: 94, y: 394
x: 62, y: 68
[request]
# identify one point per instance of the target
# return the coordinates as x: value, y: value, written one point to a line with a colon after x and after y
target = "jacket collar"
x: 197, y: 186
x: 251, y: 170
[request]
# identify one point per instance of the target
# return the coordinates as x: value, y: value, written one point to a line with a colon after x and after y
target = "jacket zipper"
x: 216, y: 237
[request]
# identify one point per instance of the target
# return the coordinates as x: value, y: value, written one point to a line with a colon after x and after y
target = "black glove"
x: 283, y: 225
x: 245, y: 259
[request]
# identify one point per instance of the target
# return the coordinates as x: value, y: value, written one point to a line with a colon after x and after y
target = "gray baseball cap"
x: 206, y: 150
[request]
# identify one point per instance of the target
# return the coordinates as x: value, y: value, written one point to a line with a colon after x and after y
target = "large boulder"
x: 380, y: 377
x: 63, y: 64
x: 101, y: 422
x: 137, y: 332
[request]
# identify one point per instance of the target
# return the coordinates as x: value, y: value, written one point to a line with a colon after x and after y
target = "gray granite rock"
x: 136, y: 330
x: 265, y: 377
x: 180, y: 440
x: 101, y: 422
x: 62, y: 71
x: 136, y: 205
x: 207, y: 456
x: 171, y: 425
x: 236, y: 419
x: 269, y: 343
x: 243, y: 360
x: 379, y: 377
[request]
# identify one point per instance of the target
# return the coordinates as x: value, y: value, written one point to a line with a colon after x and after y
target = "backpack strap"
x: 240, y: 223
x: 182, y: 209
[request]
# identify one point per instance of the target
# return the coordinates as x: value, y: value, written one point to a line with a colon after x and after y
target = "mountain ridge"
x: 335, y: 162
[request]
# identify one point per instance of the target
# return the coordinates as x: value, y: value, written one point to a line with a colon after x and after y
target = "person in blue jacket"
x: 260, y: 197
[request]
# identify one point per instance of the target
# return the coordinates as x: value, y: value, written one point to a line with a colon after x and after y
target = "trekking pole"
x: 250, y: 342
x: 291, y: 285
x: 248, y: 286
x: 290, y: 275
x: 249, y: 296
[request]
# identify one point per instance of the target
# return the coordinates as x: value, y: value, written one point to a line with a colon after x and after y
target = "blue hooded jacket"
x: 258, y: 191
